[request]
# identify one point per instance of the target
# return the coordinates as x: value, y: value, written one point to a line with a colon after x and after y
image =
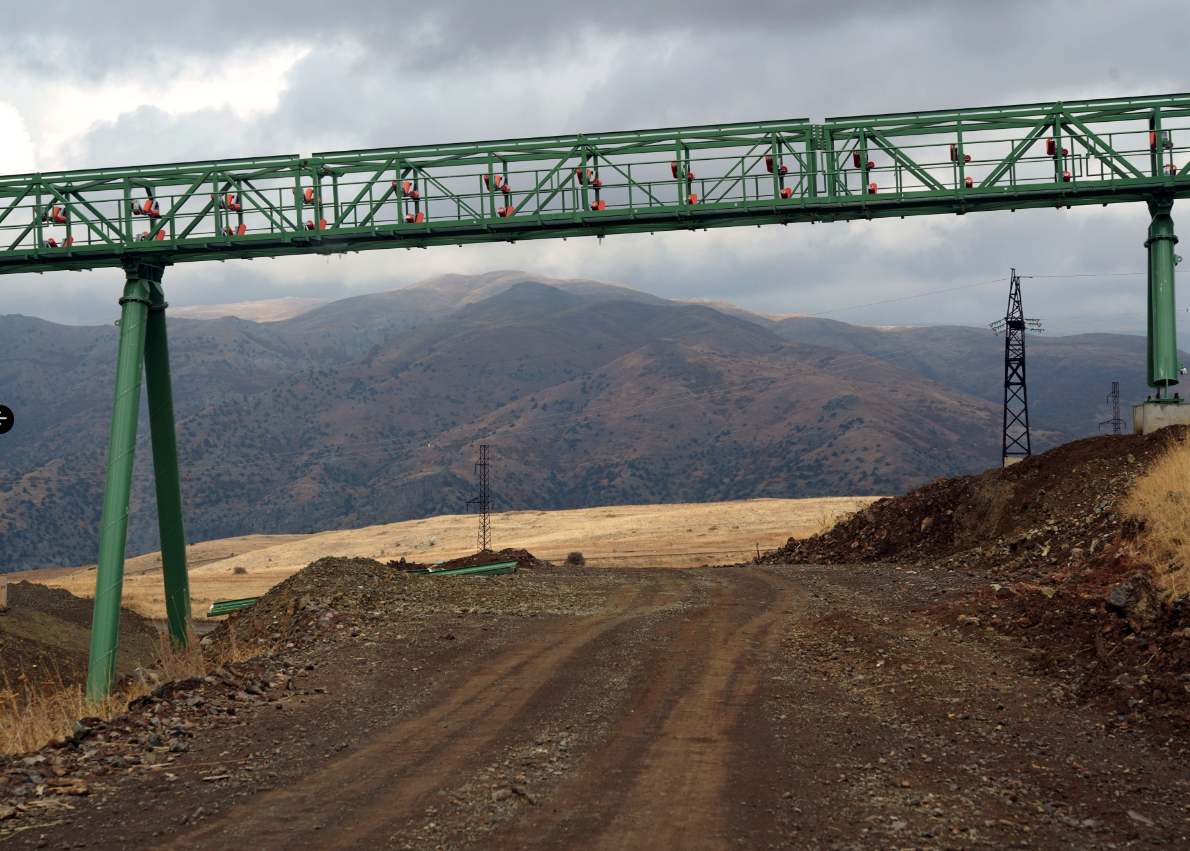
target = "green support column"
x: 113, y: 534
x: 165, y: 465
x: 1163, y: 364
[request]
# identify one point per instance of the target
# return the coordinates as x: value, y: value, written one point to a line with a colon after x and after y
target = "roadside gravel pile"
x: 1066, y: 577
x: 46, y: 638
x: 1053, y: 509
x: 331, y: 595
x: 1123, y: 645
x: 149, y: 737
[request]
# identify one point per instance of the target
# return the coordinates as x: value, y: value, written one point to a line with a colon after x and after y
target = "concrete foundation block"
x: 1147, y: 417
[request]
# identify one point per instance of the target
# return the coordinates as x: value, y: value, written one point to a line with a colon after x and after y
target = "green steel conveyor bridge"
x: 951, y: 162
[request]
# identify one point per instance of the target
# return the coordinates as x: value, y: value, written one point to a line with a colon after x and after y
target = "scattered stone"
x: 144, y: 675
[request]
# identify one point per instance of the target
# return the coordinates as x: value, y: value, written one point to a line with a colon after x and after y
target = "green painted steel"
x: 165, y: 465
x: 224, y: 607
x: 478, y: 569
x: 1163, y: 364
x: 113, y: 534
x: 1057, y: 154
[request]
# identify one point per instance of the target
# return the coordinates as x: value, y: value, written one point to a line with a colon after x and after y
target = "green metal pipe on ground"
x: 1163, y: 364
x: 113, y: 534
x: 165, y: 467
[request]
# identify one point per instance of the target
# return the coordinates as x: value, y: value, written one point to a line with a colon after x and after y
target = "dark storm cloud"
x: 376, y: 74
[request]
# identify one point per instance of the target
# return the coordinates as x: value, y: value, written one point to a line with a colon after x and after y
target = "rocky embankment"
x: 1064, y: 570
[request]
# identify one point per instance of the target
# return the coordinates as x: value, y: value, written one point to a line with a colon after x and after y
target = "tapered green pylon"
x: 1163, y: 364
x: 143, y: 340
x: 165, y: 469
x: 113, y: 533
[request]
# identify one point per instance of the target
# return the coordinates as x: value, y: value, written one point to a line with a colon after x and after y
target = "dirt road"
x: 797, y: 707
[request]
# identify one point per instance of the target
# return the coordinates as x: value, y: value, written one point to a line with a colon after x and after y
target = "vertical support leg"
x: 165, y: 468
x: 1163, y: 364
x: 113, y: 534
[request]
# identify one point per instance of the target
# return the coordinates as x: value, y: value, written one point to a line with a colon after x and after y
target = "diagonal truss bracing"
x: 928, y: 163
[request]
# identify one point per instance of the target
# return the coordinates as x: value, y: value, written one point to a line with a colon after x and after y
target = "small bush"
x: 1158, y: 499
x: 575, y: 558
x: 239, y: 569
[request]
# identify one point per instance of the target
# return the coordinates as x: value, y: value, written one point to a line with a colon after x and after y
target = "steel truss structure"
x: 946, y: 162
x: 1016, y: 442
x: 1113, y: 399
x: 483, y: 539
x: 857, y: 167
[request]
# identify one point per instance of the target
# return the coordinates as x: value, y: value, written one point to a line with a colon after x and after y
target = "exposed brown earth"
x: 1065, y: 573
x: 45, y: 639
x: 777, y: 706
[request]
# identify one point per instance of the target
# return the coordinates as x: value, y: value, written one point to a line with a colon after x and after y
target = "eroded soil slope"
x: 1059, y: 565
x: 45, y: 638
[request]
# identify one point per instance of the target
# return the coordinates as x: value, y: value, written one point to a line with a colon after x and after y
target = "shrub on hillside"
x: 1160, y: 500
x: 575, y: 558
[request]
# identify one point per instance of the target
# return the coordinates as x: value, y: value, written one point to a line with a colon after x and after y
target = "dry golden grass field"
x: 685, y: 535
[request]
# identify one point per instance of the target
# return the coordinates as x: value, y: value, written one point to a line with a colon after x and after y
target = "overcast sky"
x: 100, y: 84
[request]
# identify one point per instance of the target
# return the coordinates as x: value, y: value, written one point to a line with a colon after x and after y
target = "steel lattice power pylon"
x: 1113, y: 399
x: 483, y: 501
x: 946, y: 162
x: 1016, y: 444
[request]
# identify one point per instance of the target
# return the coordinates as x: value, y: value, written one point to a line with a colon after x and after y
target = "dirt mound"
x: 1050, y: 509
x: 334, y: 596
x: 46, y: 637
x: 1067, y: 578
x: 523, y: 558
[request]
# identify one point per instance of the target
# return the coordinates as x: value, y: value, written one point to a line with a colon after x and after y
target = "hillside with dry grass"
x: 365, y: 411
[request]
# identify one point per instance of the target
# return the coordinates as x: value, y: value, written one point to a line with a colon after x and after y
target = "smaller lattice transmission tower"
x: 483, y: 501
x: 1016, y: 444
x: 1113, y: 399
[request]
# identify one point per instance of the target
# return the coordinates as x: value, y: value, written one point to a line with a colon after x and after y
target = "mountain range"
x: 368, y: 409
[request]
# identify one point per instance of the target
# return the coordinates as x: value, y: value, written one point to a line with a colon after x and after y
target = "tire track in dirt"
x: 661, y: 779
x: 357, y: 801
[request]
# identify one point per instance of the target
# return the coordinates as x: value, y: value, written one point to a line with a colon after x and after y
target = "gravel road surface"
x: 815, y: 707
